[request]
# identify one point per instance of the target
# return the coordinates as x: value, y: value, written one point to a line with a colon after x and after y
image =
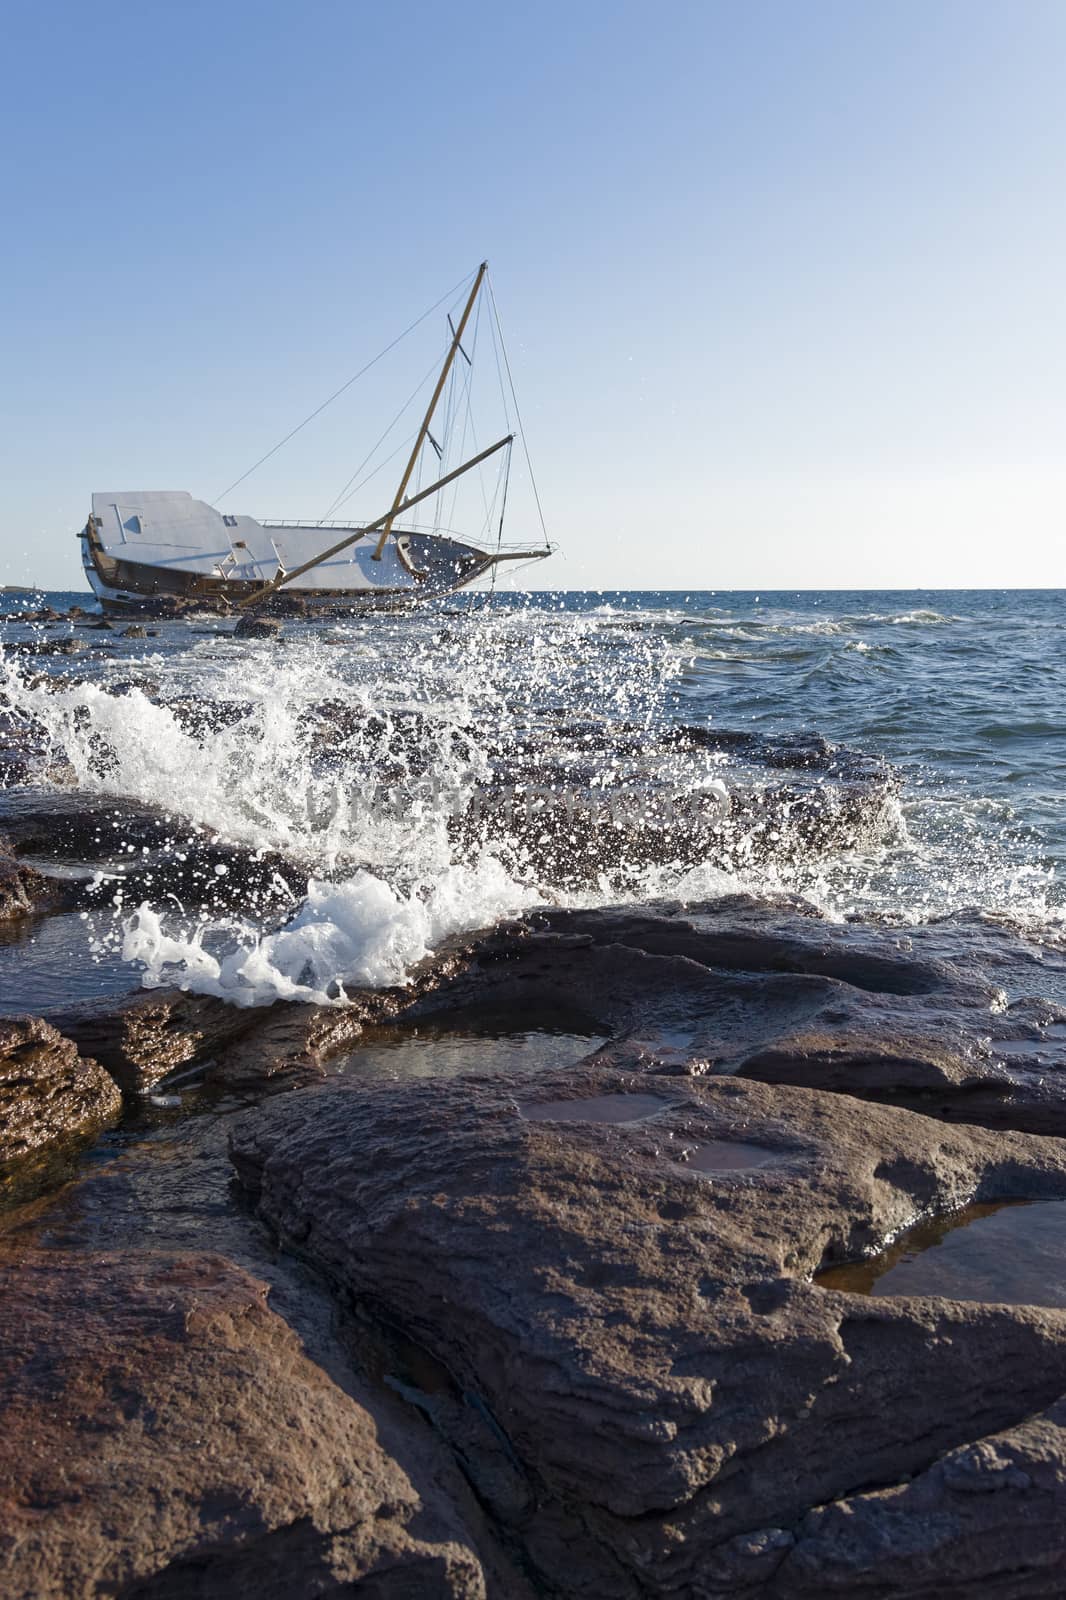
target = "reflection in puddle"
x: 471, y: 1042
x: 1013, y: 1252
x: 730, y: 1155
x: 615, y: 1108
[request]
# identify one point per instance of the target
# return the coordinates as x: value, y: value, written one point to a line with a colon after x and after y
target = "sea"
x: 889, y: 756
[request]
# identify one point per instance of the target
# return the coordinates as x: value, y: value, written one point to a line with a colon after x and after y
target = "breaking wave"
x: 431, y: 774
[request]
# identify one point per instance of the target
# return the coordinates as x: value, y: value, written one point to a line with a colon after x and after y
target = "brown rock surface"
x: 617, y: 1267
x: 47, y: 1090
x: 947, y: 1020
x: 146, y: 1035
x: 983, y: 1521
x: 164, y: 1437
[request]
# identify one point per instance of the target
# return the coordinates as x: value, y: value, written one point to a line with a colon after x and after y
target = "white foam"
x: 360, y: 933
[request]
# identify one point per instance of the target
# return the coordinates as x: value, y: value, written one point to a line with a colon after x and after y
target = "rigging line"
x: 485, y: 530
x: 485, y: 533
x: 460, y: 391
x: 379, y: 468
x: 448, y: 295
x: 503, y: 506
x: 434, y: 507
x: 468, y: 417
x: 499, y: 374
x: 470, y: 426
x: 370, y: 455
x: 373, y: 474
x: 518, y: 414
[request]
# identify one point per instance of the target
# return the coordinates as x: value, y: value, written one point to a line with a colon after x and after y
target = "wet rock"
x: 85, y: 827
x: 398, y: 747
x: 47, y: 1090
x: 257, y: 628
x: 39, y: 614
x: 670, y: 800
x: 147, y: 1035
x: 773, y: 993
x: 27, y: 753
x: 70, y: 645
x: 165, y: 1435
x: 286, y: 1043
x: 134, y: 631
x: 124, y: 686
x: 24, y: 890
x: 713, y: 980
x: 617, y: 1267
x: 202, y: 717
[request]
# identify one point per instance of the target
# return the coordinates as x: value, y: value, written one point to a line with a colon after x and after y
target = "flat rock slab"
x: 163, y: 1435
x: 47, y: 1090
x: 617, y: 1267
x: 953, y: 1020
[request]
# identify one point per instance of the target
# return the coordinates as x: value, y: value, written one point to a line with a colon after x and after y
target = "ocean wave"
x: 291, y: 747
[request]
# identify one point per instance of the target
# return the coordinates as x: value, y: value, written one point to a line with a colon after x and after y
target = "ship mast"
x: 282, y: 577
x: 438, y: 391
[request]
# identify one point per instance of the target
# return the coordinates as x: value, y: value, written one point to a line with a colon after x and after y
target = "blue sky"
x: 782, y: 282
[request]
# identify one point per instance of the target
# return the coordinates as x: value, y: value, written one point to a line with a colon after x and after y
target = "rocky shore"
x: 276, y: 1322
x: 531, y: 1276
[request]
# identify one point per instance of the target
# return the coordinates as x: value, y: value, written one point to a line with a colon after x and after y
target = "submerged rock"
x: 257, y: 628
x: 164, y: 1434
x: 616, y: 1268
x: 47, y: 1090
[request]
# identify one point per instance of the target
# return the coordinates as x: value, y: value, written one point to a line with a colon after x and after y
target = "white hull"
x: 145, y: 545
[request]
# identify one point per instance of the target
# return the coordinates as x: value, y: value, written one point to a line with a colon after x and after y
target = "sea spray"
x: 360, y: 932
x: 434, y: 772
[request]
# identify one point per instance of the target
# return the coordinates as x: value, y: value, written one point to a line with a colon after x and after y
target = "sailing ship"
x: 163, y: 549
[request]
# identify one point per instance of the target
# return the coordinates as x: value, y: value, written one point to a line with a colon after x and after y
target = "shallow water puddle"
x: 45, y: 963
x: 611, y: 1108
x: 446, y: 1048
x: 1048, y: 1048
x: 730, y: 1155
x: 1013, y: 1252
